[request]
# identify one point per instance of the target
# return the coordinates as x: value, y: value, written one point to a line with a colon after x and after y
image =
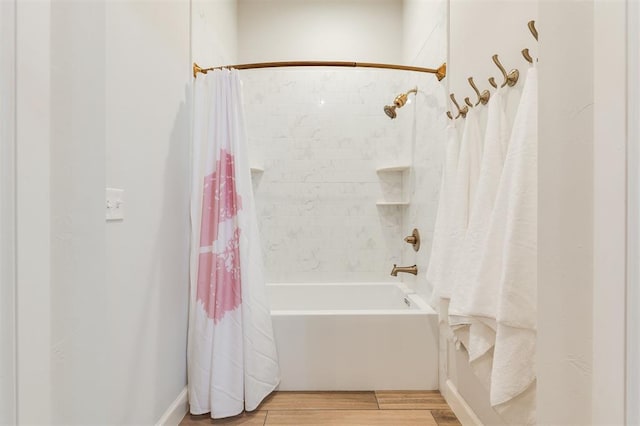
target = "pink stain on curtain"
x: 219, y: 278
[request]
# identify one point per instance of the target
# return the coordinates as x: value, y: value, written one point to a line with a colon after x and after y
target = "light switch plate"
x: 115, y: 204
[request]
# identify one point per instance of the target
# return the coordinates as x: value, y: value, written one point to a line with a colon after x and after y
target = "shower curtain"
x: 232, y: 359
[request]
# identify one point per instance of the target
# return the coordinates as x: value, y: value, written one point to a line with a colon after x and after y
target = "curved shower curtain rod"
x: 440, y: 72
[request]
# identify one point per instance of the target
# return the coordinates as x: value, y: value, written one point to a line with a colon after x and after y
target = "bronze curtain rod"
x: 440, y: 72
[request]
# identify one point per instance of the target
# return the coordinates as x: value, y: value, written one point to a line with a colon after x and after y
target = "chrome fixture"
x: 413, y: 239
x: 405, y: 269
x: 398, y: 102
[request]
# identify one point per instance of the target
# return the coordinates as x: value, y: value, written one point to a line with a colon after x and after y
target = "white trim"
x: 459, y: 406
x: 632, y: 413
x: 8, y: 380
x: 609, y: 211
x: 176, y: 411
x: 33, y: 201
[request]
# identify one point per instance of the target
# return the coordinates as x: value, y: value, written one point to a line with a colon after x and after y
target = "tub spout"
x: 406, y: 269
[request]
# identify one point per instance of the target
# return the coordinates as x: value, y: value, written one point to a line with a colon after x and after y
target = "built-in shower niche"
x: 393, y: 181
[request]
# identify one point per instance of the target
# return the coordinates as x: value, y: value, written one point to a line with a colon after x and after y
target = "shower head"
x: 390, y: 110
x: 398, y: 102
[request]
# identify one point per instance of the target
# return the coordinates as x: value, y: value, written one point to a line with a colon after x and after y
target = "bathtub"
x: 354, y: 336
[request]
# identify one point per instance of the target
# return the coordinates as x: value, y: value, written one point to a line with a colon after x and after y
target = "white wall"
x: 610, y: 210
x: 103, y: 97
x: 78, y: 320
x: 633, y: 217
x: 214, y: 39
x: 565, y: 214
x: 335, y: 30
x: 33, y: 119
x: 7, y: 214
x: 147, y: 143
x: 425, y: 25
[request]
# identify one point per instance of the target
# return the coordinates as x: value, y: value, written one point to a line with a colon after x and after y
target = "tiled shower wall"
x: 430, y: 22
x: 424, y: 187
x: 320, y: 134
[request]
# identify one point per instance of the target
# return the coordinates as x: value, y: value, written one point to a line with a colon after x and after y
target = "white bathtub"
x: 354, y: 336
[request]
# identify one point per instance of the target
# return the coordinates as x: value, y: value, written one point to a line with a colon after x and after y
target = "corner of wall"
x: 8, y: 289
x: 565, y: 214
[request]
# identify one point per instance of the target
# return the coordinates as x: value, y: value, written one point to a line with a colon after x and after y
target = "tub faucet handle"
x: 414, y: 239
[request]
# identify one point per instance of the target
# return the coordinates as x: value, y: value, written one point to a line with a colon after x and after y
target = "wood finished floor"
x: 379, y: 408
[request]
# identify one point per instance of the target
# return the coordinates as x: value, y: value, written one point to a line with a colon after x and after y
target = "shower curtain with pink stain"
x: 232, y: 359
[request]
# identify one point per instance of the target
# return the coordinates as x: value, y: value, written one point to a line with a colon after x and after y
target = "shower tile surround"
x: 320, y: 134
x: 430, y: 139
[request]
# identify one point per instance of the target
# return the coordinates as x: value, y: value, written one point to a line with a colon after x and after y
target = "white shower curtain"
x: 232, y: 359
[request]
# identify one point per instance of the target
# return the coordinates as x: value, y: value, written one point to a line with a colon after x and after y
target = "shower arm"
x: 401, y: 99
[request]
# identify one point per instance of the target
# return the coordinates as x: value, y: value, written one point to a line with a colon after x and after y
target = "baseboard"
x: 176, y: 410
x: 459, y: 406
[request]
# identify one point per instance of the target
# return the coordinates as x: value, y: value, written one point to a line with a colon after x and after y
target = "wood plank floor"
x: 379, y: 408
